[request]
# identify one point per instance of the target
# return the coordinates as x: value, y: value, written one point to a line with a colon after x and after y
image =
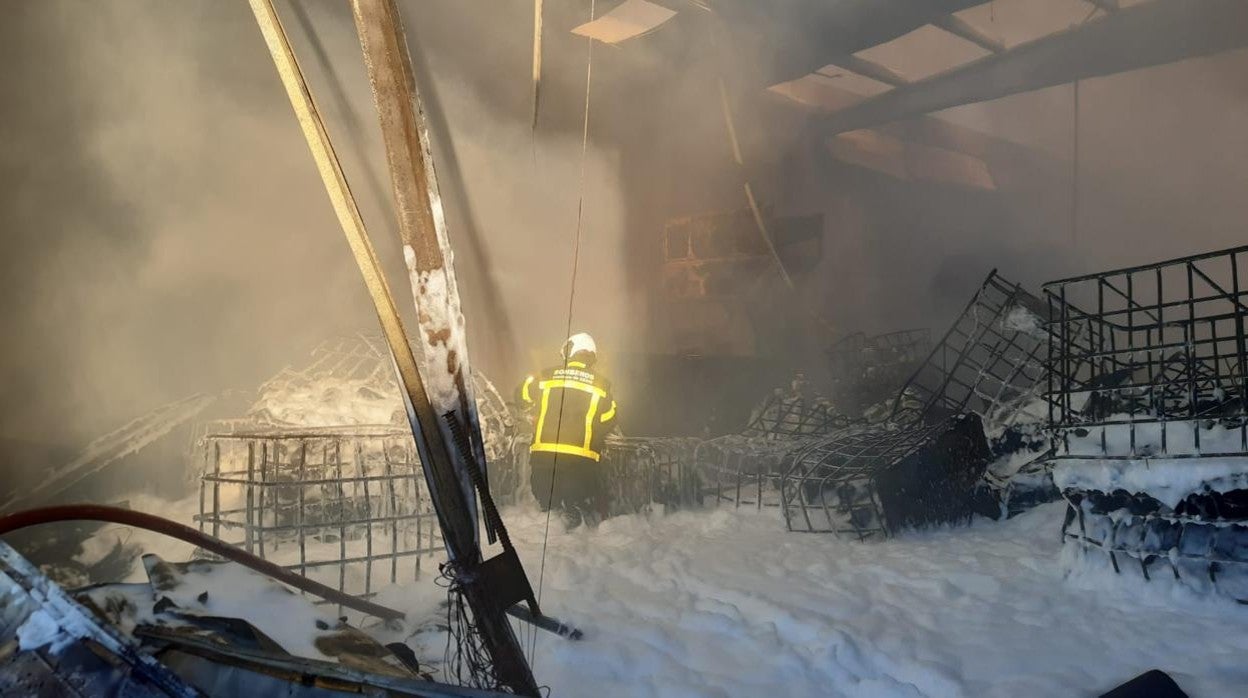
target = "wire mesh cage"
x: 871, y: 481
x: 346, y: 508
x: 990, y: 362
x: 741, y: 470
x: 791, y: 414
x: 866, y: 371
x: 1150, y: 415
x: 321, y: 474
x: 744, y: 469
x: 642, y: 472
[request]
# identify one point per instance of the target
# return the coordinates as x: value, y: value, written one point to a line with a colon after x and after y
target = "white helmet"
x: 579, y: 343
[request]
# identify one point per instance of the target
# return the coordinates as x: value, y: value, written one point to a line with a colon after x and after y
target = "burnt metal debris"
x: 1150, y: 417
x: 992, y: 362
x: 642, y: 473
x: 974, y: 398
x: 970, y: 408
x: 872, y: 481
x: 163, y: 638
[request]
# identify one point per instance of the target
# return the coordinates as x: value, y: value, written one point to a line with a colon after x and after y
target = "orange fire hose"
x: 157, y: 524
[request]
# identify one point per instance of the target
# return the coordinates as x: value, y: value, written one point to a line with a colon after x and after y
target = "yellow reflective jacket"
x: 575, y: 410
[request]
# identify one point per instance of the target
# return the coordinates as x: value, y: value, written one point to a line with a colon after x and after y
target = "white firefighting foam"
x: 726, y: 602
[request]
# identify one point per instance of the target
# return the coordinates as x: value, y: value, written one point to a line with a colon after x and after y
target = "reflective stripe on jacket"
x: 575, y: 410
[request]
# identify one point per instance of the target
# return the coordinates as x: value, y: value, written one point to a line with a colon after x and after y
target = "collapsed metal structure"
x: 872, y: 481
x: 1150, y: 417
x: 990, y: 361
x: 970, y: 399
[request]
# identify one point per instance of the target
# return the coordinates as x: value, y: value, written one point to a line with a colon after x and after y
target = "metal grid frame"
x: 1205, y: 552
x: 322, y: 501
x: 902, y: 346
x: 867, y: 370
x: 829, y: 486
x: 781, y: 416
x: 742, y: 470
x: 643, y: 472
x: 1165, y: 342
x: 746, y: 468
x: 990, y: 361
x: 1164, y: 361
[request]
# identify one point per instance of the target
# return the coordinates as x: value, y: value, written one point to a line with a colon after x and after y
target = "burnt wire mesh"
x: 870, y: 481
x: 784, y: 415
x: 866, y: 372
x: 990, y: 362
x: 347, y: 509
x: 1150, y: 416
x: 743, y: 471
x: 1166, y: 352
x: 829, y: 485
x: 642, y: 472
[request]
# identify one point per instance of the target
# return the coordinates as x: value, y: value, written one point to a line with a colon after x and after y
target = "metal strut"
x: 432, y: 370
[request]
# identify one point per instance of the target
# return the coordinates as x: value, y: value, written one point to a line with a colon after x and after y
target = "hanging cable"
x: 576, y: 261
x: 1074, y: 170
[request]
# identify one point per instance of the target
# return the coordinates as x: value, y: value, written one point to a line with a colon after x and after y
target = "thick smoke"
x: 166, y: 232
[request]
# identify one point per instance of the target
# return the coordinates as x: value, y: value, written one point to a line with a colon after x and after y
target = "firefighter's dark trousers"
x: 579, y: 492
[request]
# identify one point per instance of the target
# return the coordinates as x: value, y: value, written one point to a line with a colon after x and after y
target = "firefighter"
x: 574, y: 410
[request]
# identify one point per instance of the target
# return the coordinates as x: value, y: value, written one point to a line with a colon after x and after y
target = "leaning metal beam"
x: 453, y: 520
x: 485, y: 592
x: 962, y: 29
x: 1153, y: 33
x: 441, y: 349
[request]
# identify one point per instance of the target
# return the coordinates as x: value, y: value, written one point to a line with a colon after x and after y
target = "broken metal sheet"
x: 824, y: 91
x: 872, y: 150
x: 629, y: 19
x: 928, y: 164
x: 207, y: 595
x: 51, y: 645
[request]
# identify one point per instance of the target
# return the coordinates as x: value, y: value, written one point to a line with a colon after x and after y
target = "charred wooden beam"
x: 1154, y: 33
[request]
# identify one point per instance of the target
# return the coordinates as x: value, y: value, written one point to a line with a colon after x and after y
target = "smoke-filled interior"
x: 844, y: 264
